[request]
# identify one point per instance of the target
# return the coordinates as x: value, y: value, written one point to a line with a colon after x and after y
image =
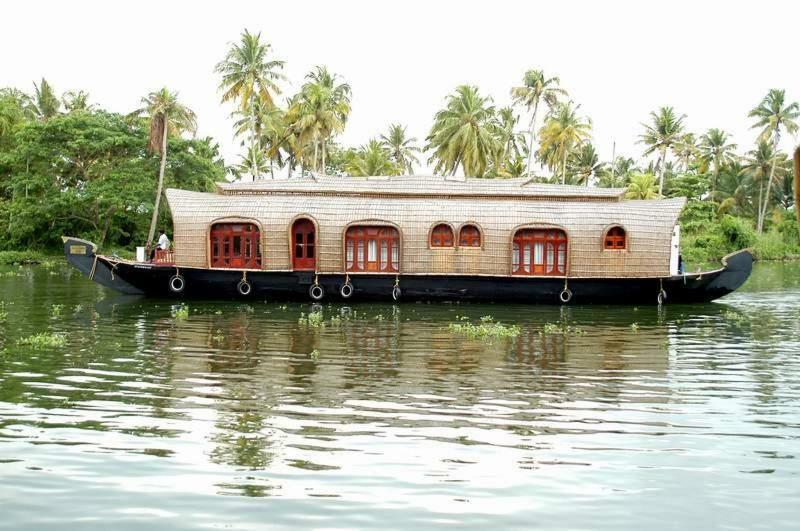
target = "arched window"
x: 373, y: 249
x: 442, y: 236
x: 235, y: 245
x: 469, y: 236
x: 539, y: 252
x: 615, y: 238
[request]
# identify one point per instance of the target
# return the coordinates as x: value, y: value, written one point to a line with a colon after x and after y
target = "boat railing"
x: 164, y: 257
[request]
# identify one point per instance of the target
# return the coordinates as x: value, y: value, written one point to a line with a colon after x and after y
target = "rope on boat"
x: 94, y: 266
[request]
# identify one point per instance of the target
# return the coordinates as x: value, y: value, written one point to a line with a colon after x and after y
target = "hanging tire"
x: 346, y: 291
x: 177, y: 284
x: 565, y: 296
x: 396, y: 293
x: 244, y: 288
x: 316, y: 292
x: 662, y: 297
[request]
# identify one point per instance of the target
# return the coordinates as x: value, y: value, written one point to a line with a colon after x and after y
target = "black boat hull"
x: 155, y: 280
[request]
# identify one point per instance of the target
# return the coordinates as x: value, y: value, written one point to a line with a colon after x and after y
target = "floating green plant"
x: 486, y: 328
x: 43, y: 340
x: 180, y: 312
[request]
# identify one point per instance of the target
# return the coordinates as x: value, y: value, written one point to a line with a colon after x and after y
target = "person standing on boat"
x: 161, y: 245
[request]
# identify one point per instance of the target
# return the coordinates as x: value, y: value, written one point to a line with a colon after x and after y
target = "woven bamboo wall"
x: 648, y: 224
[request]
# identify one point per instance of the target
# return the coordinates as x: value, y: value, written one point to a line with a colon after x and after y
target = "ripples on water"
x: 239, y: 417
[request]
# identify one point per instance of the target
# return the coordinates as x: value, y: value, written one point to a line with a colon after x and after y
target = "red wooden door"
x: 539, y: 252
x: 304, y: 244
x: 235, y: 245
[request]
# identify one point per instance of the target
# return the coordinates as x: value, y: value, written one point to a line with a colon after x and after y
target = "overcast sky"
x: 712, y: 61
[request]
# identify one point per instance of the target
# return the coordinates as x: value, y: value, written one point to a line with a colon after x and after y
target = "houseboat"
x: 417, y: 238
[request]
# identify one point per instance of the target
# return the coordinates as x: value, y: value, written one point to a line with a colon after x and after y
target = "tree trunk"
x: 763, y: 210
x: 323, y: 157
x: 661, y: 171
x: 252, y: 139
x: 797, y: 182
x: 530, y: 142
x: 152, y: 232
x: 316, y: 152
x: 564, y: 167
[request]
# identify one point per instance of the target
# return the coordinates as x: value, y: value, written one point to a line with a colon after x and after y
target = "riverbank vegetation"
x: 70, y: 167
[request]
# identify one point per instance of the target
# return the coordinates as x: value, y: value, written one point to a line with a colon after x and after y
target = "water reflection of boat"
x: 420, y: 239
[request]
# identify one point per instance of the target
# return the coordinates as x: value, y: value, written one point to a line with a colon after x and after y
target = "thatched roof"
x: 421, y: 186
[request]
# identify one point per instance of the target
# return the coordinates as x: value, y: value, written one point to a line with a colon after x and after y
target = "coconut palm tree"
x: 402, y: 149
x: 584, y: 163
x: 734, y: 190
x: 76, y: 101
x: 267, y: 120
x: 563, y: 130
x: 45, y: 102
x: 320, y: 111
x: 508, y: 139
x: 250, y: 76
x: 642, y: 186
x: 797, y: 182
x: 686, y: 149
x: 462, y: 133
x: 662, y: 134
x: 167, y: 116
x: 536, y: 87
x: 618, y: 174
x: 773, y: 115
x: 373, y: 159
x: 716, y: 151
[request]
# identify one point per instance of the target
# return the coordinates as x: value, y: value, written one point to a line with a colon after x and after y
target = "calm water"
x: 240, y: 417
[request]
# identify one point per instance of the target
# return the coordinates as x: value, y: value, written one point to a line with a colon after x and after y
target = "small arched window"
x: 469, y: 236
x: 442, y: 236
x: 615, y: 239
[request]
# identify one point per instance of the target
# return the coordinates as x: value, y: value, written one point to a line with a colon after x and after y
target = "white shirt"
x: 163, y: 242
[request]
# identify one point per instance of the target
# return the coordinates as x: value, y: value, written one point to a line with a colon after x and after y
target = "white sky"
x: 711, y: 60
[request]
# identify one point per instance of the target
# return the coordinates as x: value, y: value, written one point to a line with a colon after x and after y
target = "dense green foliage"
x: 86, y: 173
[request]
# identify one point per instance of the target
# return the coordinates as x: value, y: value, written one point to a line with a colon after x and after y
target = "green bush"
x: 22, y: 257
x: 737, y: 232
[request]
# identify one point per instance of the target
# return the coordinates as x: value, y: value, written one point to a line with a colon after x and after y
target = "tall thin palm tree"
x: 403, y: 149
x: 536, y: 87
x: 321, y: 111
x: 715, y: 150
x: 772, y: 116
x: 563, y: 130
x: 167, y: 116
x: 267, y: 120
x: 757, y: 166
x: 46, y: 103
x: 462, y: 134
x: 662, y: 134
x: 508, y: 138
x: 249, y: 76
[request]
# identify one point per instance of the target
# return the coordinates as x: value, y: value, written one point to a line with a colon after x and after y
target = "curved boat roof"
x: 420, y: 186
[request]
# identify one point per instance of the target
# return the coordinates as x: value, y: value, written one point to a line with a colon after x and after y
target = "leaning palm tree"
x: 717, y: 151
x: 536, y: 87
x: 249, y: 76
x: 321, y: 111
x: 563, y: 131
x: 167, y: 116
x: 662, y: 134
x: 462, y: 133
x: 773, y: 115
x: 45, y: 102
x: 402, y: 148
x: 642, y: 186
